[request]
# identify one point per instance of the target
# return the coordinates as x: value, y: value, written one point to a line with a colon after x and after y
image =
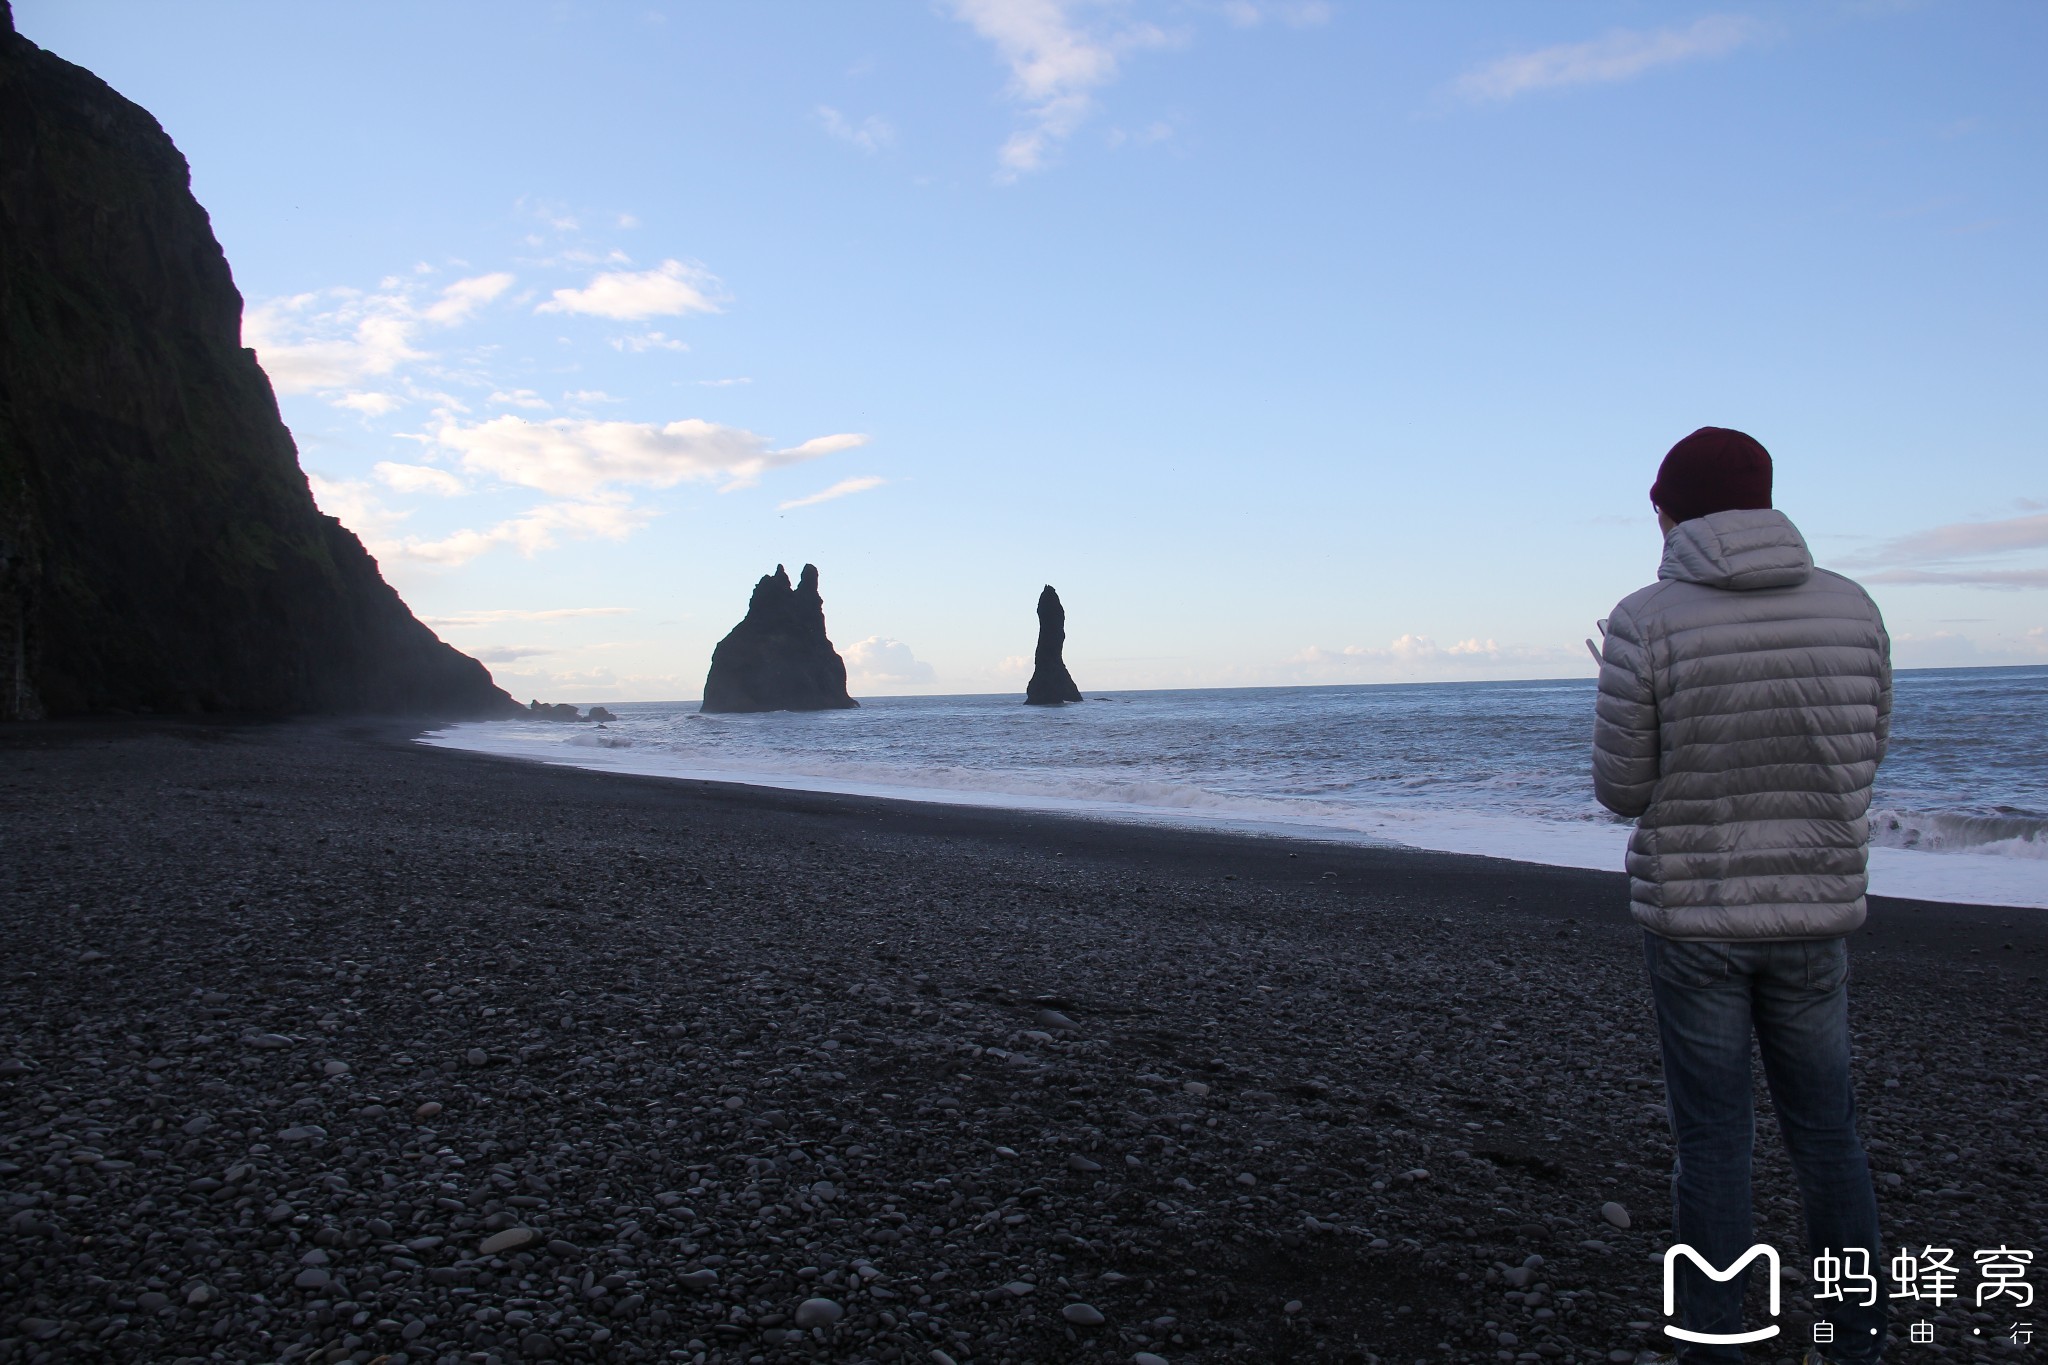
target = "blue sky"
x: 1293, y: 341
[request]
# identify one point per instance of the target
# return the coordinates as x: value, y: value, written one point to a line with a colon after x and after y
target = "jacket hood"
x: 1738, y: 550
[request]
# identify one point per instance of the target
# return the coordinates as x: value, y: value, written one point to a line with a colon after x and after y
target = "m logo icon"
x: 1671, y: 1259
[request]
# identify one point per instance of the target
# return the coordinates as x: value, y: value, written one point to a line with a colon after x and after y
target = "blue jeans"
x: 1794, y: 997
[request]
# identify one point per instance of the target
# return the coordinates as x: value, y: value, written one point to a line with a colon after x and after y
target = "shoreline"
x: 1950, y: 877
x: 794, y: 1038
x: 1194, y: 827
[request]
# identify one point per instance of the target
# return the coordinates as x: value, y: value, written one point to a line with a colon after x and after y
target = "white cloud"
x: 1293, y: 13
x: 1965, y: 578
x: 590, y: 396
x: 460, y: 300
x: 1415, y: 655
x: 1963, y: 540
x: 368, y: 404
x: 723, y: 383
x: 506, y: 654
x: 871, y: 135
x: 304, y: 349
x: 1952, y: 649
x: 540, y: 528
x: 648, y: 341
x: 670, y: 290
x: 823, y: 445
x: 464, y: 619
x: 878, y: 662
x: 355, y: 504
x: 1619, y: 56
x: 1902, y: 560
x: 418, y: 478
x: 844, y: 488
x: 337, y: 338
x: 1055, y: 63
x: 576, y: 458
x: 583, y: 686
x: 519, y: 398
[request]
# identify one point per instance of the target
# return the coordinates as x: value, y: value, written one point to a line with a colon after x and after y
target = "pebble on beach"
x: 511, y: 1239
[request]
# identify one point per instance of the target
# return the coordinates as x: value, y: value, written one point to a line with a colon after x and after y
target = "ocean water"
x: 1960, y: 811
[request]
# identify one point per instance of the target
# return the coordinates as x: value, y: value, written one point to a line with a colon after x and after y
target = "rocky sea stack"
x: 1050, y: 682
x: 159, y: 548
x: 779, y: 658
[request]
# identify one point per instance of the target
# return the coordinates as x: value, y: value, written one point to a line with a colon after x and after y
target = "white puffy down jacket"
x: 1745, y: 701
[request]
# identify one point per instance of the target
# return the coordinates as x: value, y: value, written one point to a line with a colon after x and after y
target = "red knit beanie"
x: 1712, y: 470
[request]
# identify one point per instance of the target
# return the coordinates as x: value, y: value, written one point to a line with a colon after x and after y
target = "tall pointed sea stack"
x: 1050, y: 683
x: 159, y: 549
x: 779, y: 658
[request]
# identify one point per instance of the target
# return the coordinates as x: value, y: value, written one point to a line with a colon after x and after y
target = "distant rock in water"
x: 1050, y: 683
x: 561, y: 710
x: 159, y: 548
x: 779, y: 658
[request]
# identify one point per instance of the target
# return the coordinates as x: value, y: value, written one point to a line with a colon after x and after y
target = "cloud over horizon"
x: 672, y: 289
x: 1414, y: 653
x: 1056, y: 63
x: 498, y: 615
x: 880, y: 662
x: 417, y: 478
x: 338, y: 343
x: 844, y: 488
x: 1620, y: 55
x: 1906, y: 560
x: 870, y: 135
x: 580, y: 457
x: 358, y: 506
x: 339, y: 338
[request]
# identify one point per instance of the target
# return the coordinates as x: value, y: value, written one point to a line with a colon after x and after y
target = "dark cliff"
x: 779, y: 658
x: 159, y: 548
x: 1050, y: 682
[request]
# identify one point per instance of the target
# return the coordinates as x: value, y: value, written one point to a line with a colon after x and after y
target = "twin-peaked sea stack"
x: 1050, y: 683
x: 779, y: 658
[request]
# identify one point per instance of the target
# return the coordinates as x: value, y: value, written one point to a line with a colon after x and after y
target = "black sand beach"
x: 297, y: 1016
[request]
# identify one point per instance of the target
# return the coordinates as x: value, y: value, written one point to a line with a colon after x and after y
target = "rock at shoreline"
x: 1050, y: 682
x: 561, y: 710
x: 159, y: 548
x: 779, y: 658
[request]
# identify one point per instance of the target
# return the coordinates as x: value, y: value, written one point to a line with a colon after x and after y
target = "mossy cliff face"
x: 159, y: 548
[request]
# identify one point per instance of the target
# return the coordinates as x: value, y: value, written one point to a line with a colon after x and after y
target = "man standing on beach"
x: 1745, y: 701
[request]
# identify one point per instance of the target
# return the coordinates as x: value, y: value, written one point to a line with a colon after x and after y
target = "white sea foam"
x: 1499, y: 770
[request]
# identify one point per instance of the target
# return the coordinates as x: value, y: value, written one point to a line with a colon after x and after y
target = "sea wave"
x: 2006, y: 834
x: 599, y: 741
